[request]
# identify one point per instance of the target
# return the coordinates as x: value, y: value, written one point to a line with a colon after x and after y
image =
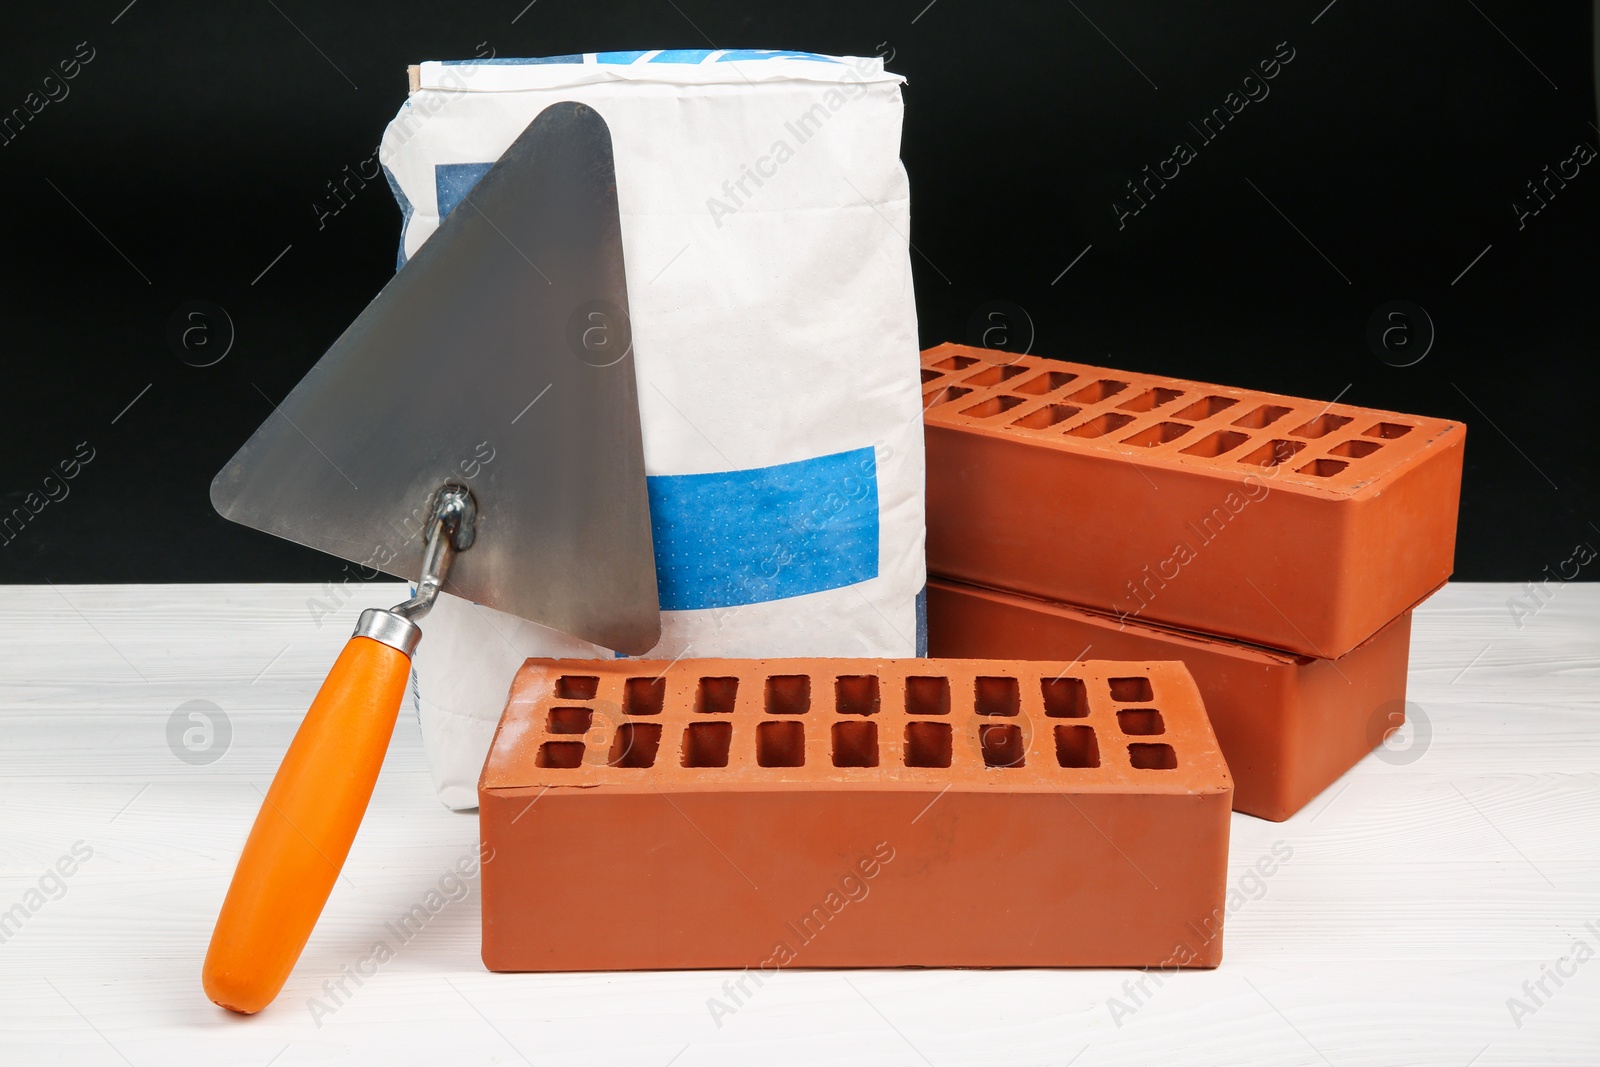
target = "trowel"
x: 475, y: 430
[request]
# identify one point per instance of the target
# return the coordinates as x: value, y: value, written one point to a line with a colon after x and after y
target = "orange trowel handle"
x: 305, y: 827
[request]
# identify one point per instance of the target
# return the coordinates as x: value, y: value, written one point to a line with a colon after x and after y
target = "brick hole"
x: 1076, y: 746
x: 705, y: 744
x: 927, y: 744
x: 995, y: 405
x: 1153, y: 757
x: 788, y: 694
x: 1265, y: 415
x: 1217, y: 444
x: 943, y: 396
x: 1001, y: 744
x: 1150, y: 399
x: 1047, y: 416
x: 570, y: 720
x: 1206, y: 407
x: 643, y: 696
x: 1065, y: 698
x: 995, y: 375
x: 781, y: 743
x: 576, y: 687
x: 1273, y: 453
x: 1355, y: 449
x: 1129, y: 690
x: 635, y: 745
x: 1095, y: 392
x: 1389, y: 430
x: 955, y: 363
x: 1324, y: 468
x: 996, y: 696
x: 927, y: 696
x: 1137, y: 721
x: 1101, y: 425
x: 855, y: 744
x: 856, y: 694
x: 1321, y: 426
x: 930, y: 375
x: 560, y: 755
x: 1048, y: 382
x: 716, y: 696
x: 1159, y: 434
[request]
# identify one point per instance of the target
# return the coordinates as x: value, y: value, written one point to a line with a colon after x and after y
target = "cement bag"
x: 764, y: 222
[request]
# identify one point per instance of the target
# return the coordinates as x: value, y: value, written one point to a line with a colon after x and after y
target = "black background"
x: 192, y: 149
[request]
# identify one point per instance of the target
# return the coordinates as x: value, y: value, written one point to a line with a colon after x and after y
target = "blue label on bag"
x: 749, y: 536
x: 453, y: 181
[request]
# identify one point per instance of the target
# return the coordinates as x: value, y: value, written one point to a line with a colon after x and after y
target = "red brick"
x: 1289, y: 725
x: 768, y: 789
x: 1147, y: 496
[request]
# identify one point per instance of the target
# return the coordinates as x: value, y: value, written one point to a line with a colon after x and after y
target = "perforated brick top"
x: 1096, y: 726
x: 1332, y: 448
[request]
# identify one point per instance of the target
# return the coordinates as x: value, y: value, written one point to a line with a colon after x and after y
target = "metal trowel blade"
x: 498, y: 358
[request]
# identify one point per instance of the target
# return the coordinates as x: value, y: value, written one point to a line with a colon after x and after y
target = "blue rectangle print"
x: 745, y: 537
x: 453, y: 181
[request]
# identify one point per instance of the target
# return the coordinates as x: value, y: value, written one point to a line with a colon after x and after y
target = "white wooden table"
x: 1424, y: 889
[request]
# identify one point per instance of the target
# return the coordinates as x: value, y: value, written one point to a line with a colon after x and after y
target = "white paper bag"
x: 764, y: 225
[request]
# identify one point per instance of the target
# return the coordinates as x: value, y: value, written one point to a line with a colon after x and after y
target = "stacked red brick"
x: 1275, y: 545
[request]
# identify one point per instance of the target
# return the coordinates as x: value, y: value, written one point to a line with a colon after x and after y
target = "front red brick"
x: 853, y: 813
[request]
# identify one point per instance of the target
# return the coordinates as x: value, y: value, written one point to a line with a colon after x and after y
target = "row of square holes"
x: 858, y: 694
x: 1217, y: 444
x: 781, y: 743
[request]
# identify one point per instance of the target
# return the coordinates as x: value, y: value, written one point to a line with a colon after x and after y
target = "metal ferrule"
x: 388, y: 628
